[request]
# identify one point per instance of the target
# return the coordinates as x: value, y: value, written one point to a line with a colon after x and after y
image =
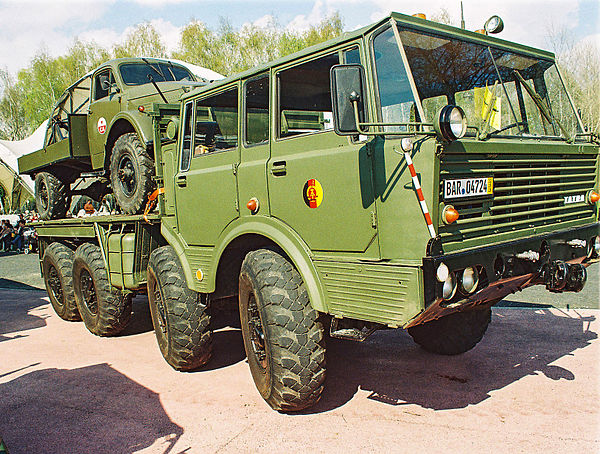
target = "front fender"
x: 142, y: 124
x: 287, y: 240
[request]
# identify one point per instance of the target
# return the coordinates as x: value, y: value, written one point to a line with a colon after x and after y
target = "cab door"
x: 319, y: 183
x: 105, y: 104
x: 205, y: 185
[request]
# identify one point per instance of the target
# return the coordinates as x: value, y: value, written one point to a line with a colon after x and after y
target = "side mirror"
x: 114, y: 89
x: 347, y: 89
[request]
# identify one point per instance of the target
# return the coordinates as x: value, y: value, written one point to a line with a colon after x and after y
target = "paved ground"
x: 532, y: 385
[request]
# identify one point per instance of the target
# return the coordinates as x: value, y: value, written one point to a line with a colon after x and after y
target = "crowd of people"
x: 15, y: 237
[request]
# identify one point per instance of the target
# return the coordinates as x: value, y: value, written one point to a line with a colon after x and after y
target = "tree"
x: 13, y: 123
x: 228, y: 50
x: 579, y: 64
x: 143, y: 41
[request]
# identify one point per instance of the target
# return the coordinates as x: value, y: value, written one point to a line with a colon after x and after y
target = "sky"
x: 28, y: 26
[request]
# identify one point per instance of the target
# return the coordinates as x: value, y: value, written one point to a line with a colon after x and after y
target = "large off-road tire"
x: 453, y: 334
x: 51, y: 196
x: 131, y: 172
x: 179, y: 315
x: 105, y: 310
x: 283, y: 335
x: 57, y: 264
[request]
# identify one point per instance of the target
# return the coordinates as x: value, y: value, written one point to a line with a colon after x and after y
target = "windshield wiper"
x: 546, y: 113
x: 157, y: 71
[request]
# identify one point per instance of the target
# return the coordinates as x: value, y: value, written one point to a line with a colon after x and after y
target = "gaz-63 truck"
x: 406, y: 175
x: 98, y: 138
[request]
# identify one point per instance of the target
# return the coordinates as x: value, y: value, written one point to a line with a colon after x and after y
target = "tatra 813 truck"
x: 405, y: 175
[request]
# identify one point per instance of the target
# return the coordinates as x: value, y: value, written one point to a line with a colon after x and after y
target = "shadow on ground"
x: 89, y: 409
x: 397, y: 372
x: 15, y: 310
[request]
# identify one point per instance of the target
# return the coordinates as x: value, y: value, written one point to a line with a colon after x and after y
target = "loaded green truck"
x: 405, y: 175
x: 98, y: 138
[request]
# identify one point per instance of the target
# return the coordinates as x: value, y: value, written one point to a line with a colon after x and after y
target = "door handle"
x: 182, y: 181
x: 278, y: 168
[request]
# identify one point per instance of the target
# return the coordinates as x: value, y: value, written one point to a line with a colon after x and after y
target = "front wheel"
x: 453, y: 334
x: 131, y: 172
x: 283, y: 335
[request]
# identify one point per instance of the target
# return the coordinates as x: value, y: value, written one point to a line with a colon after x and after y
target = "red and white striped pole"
x: 417, y: 186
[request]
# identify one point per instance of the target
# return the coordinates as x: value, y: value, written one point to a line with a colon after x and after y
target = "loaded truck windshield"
x: 501, y: 92
x: 137, y: 73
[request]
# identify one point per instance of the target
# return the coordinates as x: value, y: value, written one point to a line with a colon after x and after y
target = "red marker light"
x: 141, y: 108
x: 252, y: 205
x: 449, y: 215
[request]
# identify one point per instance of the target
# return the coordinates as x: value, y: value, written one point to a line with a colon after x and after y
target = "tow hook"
x: 561, y: 277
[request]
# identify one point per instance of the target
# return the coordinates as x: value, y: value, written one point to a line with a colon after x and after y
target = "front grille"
x: 529, y: 193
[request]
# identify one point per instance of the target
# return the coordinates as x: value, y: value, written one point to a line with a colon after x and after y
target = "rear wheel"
x: 105, y: 310
x: 453, y: 334
x: 283, y: 335
x: 51, y: 196
x: 131, y: 172
x: 179, y: 315
x: 57, y: 264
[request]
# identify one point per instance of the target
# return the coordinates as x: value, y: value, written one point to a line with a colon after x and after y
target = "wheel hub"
x: 126, y: 175
x: 55, y: 285
x: 257, y: 333
x: 160, y: 309
x: 88, y: 292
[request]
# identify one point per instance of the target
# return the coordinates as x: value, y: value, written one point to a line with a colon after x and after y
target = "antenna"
x: 462, y: 16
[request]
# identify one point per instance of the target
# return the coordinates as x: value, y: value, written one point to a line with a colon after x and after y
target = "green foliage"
x: 143, y: 41
x: 229, y: 51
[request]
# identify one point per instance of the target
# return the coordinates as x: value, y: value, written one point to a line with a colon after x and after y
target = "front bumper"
x: 507, y: 268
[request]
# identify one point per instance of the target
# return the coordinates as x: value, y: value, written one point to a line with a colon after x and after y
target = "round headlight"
x: 442, y: 272
x: 450, y: 123
x: 494, y: 25
x: 469, y: 279
x: 597, y: 246
x: 449, y: 287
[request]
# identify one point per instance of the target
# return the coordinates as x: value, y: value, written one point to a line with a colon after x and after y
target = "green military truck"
x: 405, y: 175
x: 99, y: 137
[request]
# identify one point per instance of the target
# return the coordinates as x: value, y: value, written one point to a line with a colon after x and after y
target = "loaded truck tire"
x: 179, y: 315
x: 51, y: 196
x: 283, y: 335
x: 131, y: 172
x: 105, y: 310
x: 57, y: 264
x: 453, y: 334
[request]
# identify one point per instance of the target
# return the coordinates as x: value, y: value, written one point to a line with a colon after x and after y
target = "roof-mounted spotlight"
x: 494, y: 25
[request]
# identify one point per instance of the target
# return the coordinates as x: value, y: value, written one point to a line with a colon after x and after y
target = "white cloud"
x: 26, y: 27
x: 321, y: 9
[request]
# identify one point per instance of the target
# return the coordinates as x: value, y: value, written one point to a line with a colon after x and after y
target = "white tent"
x: 18, y: 189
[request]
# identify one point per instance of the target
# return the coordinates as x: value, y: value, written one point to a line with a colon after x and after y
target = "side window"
x: 305, y: 97
x: 102, y: 82
x: 352, y: 56
x: 216, y: 123
x: 257, y: 110
x: 186, y: 137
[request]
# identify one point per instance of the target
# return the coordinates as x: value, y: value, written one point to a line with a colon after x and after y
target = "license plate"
x: 468, y: 187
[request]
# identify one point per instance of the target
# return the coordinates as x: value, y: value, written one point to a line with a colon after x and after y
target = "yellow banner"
x: 484, y: 97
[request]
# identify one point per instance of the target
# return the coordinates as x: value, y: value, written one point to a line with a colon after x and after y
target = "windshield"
x: 501, y: 92
x: 137, y: 73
